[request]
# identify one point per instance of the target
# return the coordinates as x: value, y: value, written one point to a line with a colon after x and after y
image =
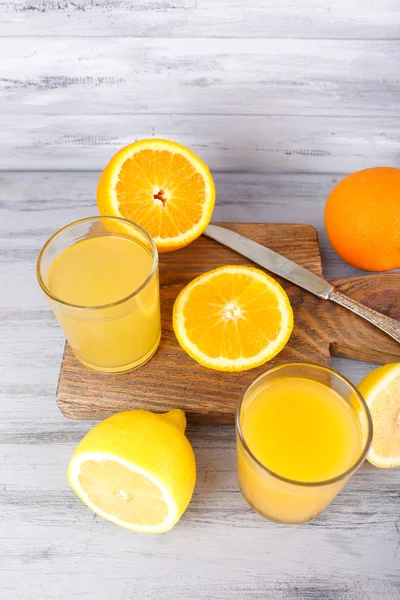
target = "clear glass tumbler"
x: 117, y: 336
x: 274, y: 496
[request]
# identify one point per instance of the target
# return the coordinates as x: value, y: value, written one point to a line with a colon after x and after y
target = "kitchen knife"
x: 278, y: 264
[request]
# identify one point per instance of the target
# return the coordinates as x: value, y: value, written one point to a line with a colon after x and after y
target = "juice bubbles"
x: 302, y: 430
x: 103, y: 288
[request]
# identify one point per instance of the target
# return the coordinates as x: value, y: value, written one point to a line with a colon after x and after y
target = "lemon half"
x: 136, y: 469
x: 381, y: 390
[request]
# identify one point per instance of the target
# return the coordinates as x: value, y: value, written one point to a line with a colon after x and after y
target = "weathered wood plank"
x: 374, y: 515
x: 219, y: 76
x: 350, y: 552
x: 375, y: 19
x: 225, y: 143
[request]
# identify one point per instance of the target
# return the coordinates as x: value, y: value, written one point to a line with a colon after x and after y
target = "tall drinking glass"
x: 100, y: 276
x: 302, y: 431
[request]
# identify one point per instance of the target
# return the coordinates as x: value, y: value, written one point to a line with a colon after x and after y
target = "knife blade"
x: 280, y: 265
x: 274, y: 262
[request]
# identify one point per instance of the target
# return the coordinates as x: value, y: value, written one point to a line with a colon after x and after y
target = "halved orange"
x: 162, y: 186
x: 233, y: 318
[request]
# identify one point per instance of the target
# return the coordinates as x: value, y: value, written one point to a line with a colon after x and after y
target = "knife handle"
x: 386, y: 324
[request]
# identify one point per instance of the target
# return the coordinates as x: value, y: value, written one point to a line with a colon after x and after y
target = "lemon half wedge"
x: 136, y: 469
x: 381, y: 390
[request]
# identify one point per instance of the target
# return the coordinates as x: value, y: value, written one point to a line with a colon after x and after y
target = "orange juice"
x: 110, y: 301
x: 301, y: 433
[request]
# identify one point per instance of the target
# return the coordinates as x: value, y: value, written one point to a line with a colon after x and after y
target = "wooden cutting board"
x: 171, y: 379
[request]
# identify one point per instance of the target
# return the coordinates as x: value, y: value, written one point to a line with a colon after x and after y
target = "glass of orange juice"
x: 302, y: 431
x: 100, y: 276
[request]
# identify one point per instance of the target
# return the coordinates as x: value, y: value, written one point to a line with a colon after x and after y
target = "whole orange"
x: 362, y: 219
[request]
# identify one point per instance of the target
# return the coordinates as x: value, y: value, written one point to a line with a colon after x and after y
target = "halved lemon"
x: 233, y: 318
x: 162, y: 186
x: 381, y: 390
x: 136, y: 469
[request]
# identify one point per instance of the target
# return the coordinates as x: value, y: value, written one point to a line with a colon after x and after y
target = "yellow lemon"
x: 381, y: 390
x: 136, y: 469
x: 233, y: 318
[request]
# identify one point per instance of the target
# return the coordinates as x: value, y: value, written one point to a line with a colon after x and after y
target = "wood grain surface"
x: 53, y: 548
x: 371, y: 19
x: 212, y: 76
x: 171, y: 379
x: 280, y: 98
x: 247, y: 143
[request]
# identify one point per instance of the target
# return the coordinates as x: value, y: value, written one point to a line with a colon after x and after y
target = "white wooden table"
x: 52, y: 546
x: 280, y: 99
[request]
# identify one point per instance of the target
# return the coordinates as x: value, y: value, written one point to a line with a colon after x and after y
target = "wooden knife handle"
x: 353, y: 337
x: 389, y: 326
